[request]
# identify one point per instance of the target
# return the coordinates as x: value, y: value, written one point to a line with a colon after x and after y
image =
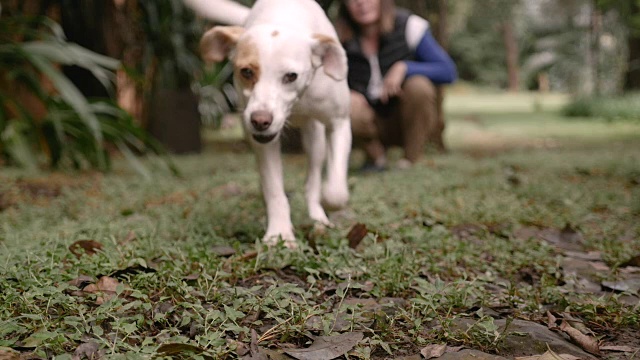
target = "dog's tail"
x: 221, y: 11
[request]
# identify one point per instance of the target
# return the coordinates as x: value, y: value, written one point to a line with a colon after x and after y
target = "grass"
x: 442, y: 244
x: 626, y: 107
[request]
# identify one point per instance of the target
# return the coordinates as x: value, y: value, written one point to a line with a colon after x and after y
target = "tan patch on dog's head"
x: 247, y: 61
x: 275, y: 33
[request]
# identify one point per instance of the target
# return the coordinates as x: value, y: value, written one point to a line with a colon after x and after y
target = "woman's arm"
x: 430, y: 58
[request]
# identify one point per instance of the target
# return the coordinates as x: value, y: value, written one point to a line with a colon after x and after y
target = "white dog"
x: 289, y: 68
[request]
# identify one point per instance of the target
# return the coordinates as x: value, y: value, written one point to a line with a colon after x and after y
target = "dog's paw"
x: 321, y: 227
x: 333, y: 198
x: 319, y: 217
x: 272, y: 239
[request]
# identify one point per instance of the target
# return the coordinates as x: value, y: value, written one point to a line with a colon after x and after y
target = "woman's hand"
x: 393, y: 81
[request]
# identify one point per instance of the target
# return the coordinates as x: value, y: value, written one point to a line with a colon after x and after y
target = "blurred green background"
x: 84, y: 81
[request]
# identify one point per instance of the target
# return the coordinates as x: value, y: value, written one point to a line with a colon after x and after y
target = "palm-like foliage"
x: 73, y: 130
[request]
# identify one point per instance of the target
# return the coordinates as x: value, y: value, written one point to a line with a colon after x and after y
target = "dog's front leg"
x: 278, y: 212
x: 335, y: 194
x: 315, y: 145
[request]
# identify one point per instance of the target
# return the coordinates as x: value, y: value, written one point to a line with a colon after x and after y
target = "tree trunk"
x: 511, y: 50
x: 175, y: 120
x: 82, y: 23
x: 594, y: 56
x: 125, y: 41
x: 632, y: 80
x: 443, y: 24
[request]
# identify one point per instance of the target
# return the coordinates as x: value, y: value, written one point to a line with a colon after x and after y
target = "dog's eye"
x: 289, y: 78
x: 246, y: 73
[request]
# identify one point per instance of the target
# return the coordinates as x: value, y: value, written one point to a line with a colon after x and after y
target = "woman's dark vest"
x: 393, y: 48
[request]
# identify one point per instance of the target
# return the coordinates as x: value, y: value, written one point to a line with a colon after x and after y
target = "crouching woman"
x: 394, y: 63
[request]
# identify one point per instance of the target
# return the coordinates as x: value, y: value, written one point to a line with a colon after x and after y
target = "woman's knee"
x: 419, y: 88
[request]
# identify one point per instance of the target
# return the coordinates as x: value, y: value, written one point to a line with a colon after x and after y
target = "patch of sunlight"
x: 546, y: 130
x: 463, y: 102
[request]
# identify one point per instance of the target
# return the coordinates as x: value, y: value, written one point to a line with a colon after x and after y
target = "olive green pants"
x: 406, y: 121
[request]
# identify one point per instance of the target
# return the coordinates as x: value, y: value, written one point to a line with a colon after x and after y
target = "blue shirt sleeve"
x: 432, y: 61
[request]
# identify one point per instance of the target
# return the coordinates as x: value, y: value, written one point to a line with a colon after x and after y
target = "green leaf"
x: 130, y: 328
x: 38, y: 338
x: 76, y: 100
x: 97, y: 330
x: 17, y: 145
x: 233, y: 314
x: 133, y: 160
x: 72, y: 54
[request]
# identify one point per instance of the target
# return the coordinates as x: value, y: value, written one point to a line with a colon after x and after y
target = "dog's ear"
x: 327, y: 52
x: 217, y: 43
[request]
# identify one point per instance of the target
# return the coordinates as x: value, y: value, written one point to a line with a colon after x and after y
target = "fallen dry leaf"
x: 587, y: 342
x: 191, y: 277
x: 327, y: 347
x: 89, y: 247
x: 223, y: 251
x: 81, y: 281
x: 627, y: 349
x: 9, y: 354
x: 88, y: 350
x: 586, y: 256
x: 577, y: 323
x: 551, y: 321
x: 105, y: 283
x: 549, y: 355
x: 255, y: 352
x: 630, y: 285
x: 241, y: 348
x: 275, y: 354
x: 357, y: 233
x: 600, y: 266
x: 105, y: 288
x: 565, y: 239
x: 433, y: 351
x: 630, y: 270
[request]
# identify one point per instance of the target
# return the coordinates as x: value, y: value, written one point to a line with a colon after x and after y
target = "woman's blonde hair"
x: 348, y: 29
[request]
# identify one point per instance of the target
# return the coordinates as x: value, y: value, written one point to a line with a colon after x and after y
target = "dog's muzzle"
x: 261, y: 121
x: 264, y: 139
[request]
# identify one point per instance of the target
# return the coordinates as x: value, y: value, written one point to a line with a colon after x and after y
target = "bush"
x: 626, y: 107
x: 69, y: 130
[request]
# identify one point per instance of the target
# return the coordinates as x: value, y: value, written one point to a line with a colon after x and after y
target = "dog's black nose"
x: 261, y: 120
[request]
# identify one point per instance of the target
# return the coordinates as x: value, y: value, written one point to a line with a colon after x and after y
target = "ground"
x: 523, y: 239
